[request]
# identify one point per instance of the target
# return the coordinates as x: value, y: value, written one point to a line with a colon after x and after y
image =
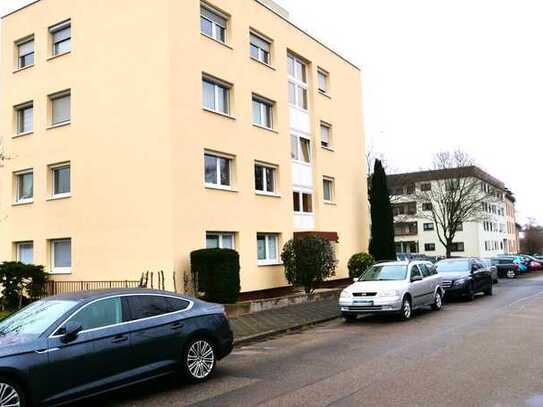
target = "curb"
x: 262, y: 335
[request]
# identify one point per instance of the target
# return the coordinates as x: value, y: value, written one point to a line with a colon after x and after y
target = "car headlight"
x: 460, y: 281
x: 345, y: 294
x: 389, y: 293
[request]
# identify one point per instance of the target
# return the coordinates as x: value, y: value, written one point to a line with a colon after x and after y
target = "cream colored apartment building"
x: 136, y: 132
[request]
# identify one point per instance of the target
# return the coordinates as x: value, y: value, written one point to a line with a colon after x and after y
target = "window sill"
x: 324, y: 94
x: 263, y: 63
x: 21, y: 203
x: 26, y: 133
x: 301, y: 163
x: 60, y: 273
x: 58, y: 55
x: 217, y: 41
x: 24, y: 68
x: 218, y: 113
x: 274, y: 263
x: 258, y: 126
x: 268, y: 194
x: 220, y: 188
x: 327, y: 148
x: 55, y: 126
x: 58, y: 197
x: 333, y: 203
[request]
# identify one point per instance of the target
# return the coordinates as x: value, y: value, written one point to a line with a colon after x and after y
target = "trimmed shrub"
x: 358, y: 263
x: 308, y: 261
x: 216, y: 272
x: 20, y: 283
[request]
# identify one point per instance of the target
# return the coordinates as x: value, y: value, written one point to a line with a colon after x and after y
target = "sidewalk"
x: 265, y: 323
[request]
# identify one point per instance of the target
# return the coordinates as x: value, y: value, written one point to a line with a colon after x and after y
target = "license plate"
x: 361, y: 302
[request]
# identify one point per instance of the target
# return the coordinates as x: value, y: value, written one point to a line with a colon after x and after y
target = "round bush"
x: 358, y: 263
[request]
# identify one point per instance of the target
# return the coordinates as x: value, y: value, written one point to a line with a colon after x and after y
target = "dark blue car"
x: 73, y: 346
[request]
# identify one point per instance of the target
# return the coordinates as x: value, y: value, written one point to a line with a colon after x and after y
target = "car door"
x: 478, y: 275
x: 158, y: 331
x: 97, y: 358
x: 430, y: 282
x: 416, y: 287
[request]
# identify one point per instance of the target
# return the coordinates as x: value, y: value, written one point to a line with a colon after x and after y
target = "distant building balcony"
x: 406, y: 229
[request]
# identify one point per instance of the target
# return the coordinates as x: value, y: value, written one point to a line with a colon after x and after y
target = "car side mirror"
x: 474, y: 268
x: 416, y: 278
x: 71, y: 330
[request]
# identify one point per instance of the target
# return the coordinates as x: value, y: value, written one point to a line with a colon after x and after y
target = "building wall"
x: 138, y: 134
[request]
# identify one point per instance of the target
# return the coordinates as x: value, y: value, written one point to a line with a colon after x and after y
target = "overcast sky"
x: 440, y: 75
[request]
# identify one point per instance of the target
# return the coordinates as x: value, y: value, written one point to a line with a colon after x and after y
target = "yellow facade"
x: 137, y: 134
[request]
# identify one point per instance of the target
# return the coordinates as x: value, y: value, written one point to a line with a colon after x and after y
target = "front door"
x: 417, y: 287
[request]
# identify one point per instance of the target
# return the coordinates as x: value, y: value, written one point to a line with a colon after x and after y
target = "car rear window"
x: 145, y: 306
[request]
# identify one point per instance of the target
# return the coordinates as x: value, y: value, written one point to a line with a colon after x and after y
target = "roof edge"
x: 19, y: 9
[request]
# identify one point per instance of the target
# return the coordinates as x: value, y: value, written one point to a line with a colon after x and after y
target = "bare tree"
x: 455, y: 198
x: 532, y: 238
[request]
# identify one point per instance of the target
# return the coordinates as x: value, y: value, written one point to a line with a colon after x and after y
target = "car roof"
x: 90, y: 295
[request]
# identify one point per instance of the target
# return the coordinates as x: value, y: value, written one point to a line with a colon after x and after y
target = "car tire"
x: 489, y: 290
x: 12, y: 393
x: 199, y: 360
x: 510, y: 274
x: 349, y: 317
x: 407, y: 310
x: 470, y: 296
x: 495, y: 281
x: 438, y: 301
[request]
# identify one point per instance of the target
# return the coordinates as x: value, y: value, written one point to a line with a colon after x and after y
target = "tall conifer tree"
x: 382, y: 221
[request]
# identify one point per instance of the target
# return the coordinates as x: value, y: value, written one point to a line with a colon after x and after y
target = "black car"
x: 73, y: 346
x: 464, y: 277
x: 506, y: 266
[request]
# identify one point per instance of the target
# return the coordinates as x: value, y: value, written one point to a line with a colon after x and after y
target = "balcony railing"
x: 66, y: 287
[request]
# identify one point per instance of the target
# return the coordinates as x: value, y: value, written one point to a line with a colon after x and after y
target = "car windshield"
x: 33, y: 320
x: 453, y: 266
x: 385, y: 273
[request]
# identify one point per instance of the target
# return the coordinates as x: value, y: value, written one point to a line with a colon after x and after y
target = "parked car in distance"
x: 464, y: 277
x: 506, y: 266
x: 74, y: 346
x: 487, y: 262
x: 534, y: 264
x: 393, y: 287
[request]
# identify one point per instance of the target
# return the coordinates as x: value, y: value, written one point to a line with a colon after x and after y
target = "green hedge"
x: 358, y: 263
x: 216, y: 272
x: 21, y: 283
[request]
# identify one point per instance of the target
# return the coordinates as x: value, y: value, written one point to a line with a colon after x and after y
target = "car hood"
x: 11, y: 345
x: 375, y: 286
x: 455, y: 276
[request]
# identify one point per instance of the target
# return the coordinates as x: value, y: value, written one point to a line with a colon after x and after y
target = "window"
x: 265, y: 178
x: 219, y: 240
x: 61, y: 35
x: 427, y: 206
x: 267, y: 248
x: 260, y: 49
x: 415, y: 271
x: 213, y: 24
x: 426, y: 187
x: 325, y: 135
x: 61, y: 256
x: 458, y: 247
x: 297, y: 86
x: 425, y: 270
x: 262, y: 112
x: 216, y: 96
x: 100, y: 314
x: 302, y: 202
x: 300, y: 148
x: 146, y: 306
x: 405, y: 228
x: 25, y: 252
x: 410, y: 189
x: 60, y: 108
x: 428, y: 226
x: 25, y: 53
x: 328, y: 189
x: 24, y: 186
x: 323, y: 80
x: 217, y: 170
x: 177, y: 304
x: 25, y: 118
x: 429, y: 247
x: 60, y: 176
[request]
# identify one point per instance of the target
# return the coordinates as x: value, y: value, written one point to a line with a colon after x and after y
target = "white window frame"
x: 268, y: 260
x: 265, y: 179
x: 298, y: 83
x: 332, y: 189
x: 18, y: 176
x: 266, y: 106
x: 216, y: 85
x: 301, y: 194
x: 65, y: 25
x: 19, y: 113
x: 324, y: 74
x: 261, y: 53
x: 20, y: 56
x: 52, y: 99
x: 221, y: 236
x: 299, y: 154
x: 59, y: 270
x: 218, y: 156
x: 214, y: 31
x: 328, y: 127
x: 52, y: 169
x: 18, y: 250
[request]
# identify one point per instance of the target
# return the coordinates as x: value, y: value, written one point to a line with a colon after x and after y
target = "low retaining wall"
x: 249, y: 307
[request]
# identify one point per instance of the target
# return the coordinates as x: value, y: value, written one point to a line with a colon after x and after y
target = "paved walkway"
x: 261, y: 324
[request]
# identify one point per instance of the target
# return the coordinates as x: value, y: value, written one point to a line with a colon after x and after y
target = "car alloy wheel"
x: 510, y: 274
x: 438, y: 302
x: 199, y: 360
x: 406, y: 309
x: 9, y: 396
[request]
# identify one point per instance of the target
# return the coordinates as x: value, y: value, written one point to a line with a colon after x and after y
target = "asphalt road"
x: 488, y: 352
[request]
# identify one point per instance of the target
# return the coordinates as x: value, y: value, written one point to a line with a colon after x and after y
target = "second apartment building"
x: 170, y: 127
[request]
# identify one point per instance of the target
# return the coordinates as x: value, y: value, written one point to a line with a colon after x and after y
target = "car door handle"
x: 177, y: 325
x: 120, y: 339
